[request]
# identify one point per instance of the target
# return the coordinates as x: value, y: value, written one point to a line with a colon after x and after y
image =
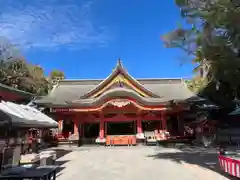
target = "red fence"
x: 229, y: 165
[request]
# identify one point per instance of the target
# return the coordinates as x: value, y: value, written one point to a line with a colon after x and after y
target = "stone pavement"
x: 136, y: 163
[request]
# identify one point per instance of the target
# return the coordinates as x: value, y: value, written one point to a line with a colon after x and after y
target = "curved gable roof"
x: 117, y: 93
x: 119, y: 70
x: 146, y: 90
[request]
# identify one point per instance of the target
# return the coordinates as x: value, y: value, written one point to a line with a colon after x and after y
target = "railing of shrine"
x: 121, y: 140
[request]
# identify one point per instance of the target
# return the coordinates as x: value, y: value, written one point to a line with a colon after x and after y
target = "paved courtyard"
x: 138, y: 163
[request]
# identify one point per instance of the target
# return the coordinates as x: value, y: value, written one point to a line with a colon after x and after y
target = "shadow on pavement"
x: 60, y: 153
x: 201, y: 157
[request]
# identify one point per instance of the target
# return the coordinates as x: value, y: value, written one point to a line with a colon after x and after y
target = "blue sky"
x: 85, y: 38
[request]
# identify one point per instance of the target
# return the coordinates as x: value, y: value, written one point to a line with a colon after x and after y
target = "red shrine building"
x: 119, y: 109
x: 8, y: 93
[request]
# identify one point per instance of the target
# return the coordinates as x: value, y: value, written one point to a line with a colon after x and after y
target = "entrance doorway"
x: 121, y: 128
x: 91, y: 130
x: 172, y: 124
x: 151, y: 125
x: 68, y: 127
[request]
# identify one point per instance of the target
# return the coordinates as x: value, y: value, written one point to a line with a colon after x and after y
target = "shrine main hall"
x: 119, y: 109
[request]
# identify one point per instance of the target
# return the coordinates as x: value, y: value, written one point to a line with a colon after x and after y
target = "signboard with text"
x: 60, y: 110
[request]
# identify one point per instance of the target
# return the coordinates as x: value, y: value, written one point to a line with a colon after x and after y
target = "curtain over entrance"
x: 121, y: 128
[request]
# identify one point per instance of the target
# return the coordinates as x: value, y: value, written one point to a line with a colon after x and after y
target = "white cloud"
x: 51, y: 24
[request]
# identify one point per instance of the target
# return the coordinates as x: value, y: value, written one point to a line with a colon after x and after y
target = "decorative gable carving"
x: 119, y: 103
x: 119, y: 78
x: 122, y: 82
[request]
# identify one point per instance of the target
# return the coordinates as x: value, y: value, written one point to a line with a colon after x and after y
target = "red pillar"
x: 164, y: 120
x: 76, y: 127
x: 180, y: 124
x: 139, y: 124
x: 60, y: 126
x: 101, y: 129
x: 82, y: 129
x: 105, y: 128
x: 160, y: 125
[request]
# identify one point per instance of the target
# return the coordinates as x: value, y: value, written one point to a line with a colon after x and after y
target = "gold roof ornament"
x: 119, y: 64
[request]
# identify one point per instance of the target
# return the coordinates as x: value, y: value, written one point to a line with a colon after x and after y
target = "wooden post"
x: 60, y: 125
x: 76, y: 127
x: 139, y: 123
x: 180, y: 124
x: 160, y: 122
x: 105, y: 128
x: 101, y: 127
x: 164, y: 120
x: 80, y: 130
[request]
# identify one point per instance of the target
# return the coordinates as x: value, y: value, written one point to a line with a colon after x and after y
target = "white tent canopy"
x: 23, y: 115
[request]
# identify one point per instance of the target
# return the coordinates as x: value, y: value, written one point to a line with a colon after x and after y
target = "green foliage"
x: 56, y: 75
x: 196, y: 84
x: 21, y: 75
x: 17, y: 73
x: 214, y: 43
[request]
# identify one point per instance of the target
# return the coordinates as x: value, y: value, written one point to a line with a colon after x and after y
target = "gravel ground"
x: 138, y: 163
